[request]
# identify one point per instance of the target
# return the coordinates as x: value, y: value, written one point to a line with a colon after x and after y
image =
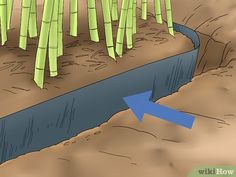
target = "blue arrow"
x: 140, y: 104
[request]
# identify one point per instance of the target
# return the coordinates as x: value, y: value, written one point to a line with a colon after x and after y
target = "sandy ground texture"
x: 84, y: 62
x: 125, y: 147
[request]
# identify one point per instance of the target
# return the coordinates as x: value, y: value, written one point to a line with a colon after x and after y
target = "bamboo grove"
x: 50, y: 41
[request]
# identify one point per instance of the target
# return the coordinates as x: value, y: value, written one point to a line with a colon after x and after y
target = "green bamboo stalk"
x: 33, y: 32
x: 134, y: 16
x: 73, y: 17
x: 169, y: 16
x: 121, y: 27
x: 53, y: 41
x: 144, y: 9
x: 3, y: 20
x: 60, y: 28
x: 110, y: 4
x: 129, y: 26
x: 157, y: 8
x: 114, y: 10
x: 108, y: 28
x: 25, y: 13
x: 9, y: 13
x: 43, y: 43
x: 92, y: 19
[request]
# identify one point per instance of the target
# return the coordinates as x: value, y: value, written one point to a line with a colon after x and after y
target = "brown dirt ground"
x: 84, y: 62
x: 124, y: 147
x: 214, y: 22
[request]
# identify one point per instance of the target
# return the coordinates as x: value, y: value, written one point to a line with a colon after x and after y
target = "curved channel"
x: 65, y: 116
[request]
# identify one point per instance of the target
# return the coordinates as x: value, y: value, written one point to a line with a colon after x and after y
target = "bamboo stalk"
x: 110, y: 4
x: 121, y: 27
x: 134, y: 16
x: 108, y: 28
x: 144, y: 9
x: 33, y: 32
x: 157, y: 8
x: 169, y: 16
x: 43, y: 43
x: 114, y: 10
x: 60, y: 28
x: 3, y: 20
x: 53, y: 41
x: 92, y: 19
x: 25, y: 13
x: 73, y: 17
x: 9, y: 13
x: 129, y: 26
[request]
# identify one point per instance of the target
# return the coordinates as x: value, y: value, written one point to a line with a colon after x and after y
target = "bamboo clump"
x: 51, y: 33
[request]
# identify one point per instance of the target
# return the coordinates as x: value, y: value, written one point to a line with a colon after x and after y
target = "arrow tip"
x: 137, y: 103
